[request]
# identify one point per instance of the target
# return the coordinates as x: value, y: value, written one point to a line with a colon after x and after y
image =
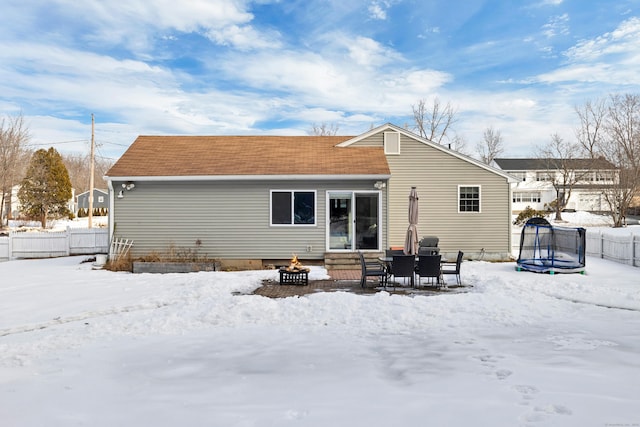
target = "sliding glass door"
x: 354, y: 221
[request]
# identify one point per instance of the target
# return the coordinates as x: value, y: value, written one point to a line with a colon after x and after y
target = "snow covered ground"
x: 85, y: 347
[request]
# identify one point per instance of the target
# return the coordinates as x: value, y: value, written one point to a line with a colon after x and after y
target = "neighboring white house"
x: 536, y: 177
x: 12, y: 204
x: 16, y: 207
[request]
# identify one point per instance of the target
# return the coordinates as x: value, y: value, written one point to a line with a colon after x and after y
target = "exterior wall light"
x: 380, y: 185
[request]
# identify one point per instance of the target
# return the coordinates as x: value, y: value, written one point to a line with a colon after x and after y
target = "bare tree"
x: 433, y: 122
x: 458, y: 143
x: 564, y: 169
x: 491, y: 145
x: 79, y: 169
x: 610, y: 129
x: 324, y: 129
x: 14, y: 137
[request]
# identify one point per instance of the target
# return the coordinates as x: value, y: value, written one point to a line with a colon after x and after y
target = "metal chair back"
x: 429, y: 267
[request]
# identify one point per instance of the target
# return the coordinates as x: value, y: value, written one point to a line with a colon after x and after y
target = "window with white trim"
x: 469, y: 198
x: 522, y: 176
x: 100, y: 199
x: 289, y: 207
x: 533, y: 197
x: 604, y: 176
x: 545, y: 176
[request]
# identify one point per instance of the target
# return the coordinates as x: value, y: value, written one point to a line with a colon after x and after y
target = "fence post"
x: 601, y: 233
x: 631, y: 240
x: 10, y: 254
x: 68, y: 239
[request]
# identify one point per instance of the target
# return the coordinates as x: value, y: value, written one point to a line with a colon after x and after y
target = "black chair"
x: 454, y: 268
x: 404, y: 266
x: 429, y: 267
x: 372, y: 269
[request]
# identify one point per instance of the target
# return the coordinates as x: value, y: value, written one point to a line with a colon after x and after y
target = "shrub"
x: 121, y: 264
x: 529, y: 213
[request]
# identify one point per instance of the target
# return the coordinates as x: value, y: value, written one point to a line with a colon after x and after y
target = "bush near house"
x: 528, y: 213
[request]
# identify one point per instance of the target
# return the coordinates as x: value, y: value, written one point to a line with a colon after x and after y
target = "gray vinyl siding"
x: 230, y: 219
x: 437, y: 175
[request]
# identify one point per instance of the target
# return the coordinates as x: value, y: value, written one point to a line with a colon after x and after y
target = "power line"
x: 102, y: 141
x: 58, y: 142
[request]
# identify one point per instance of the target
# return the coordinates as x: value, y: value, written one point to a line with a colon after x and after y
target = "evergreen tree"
x: 46, y: 188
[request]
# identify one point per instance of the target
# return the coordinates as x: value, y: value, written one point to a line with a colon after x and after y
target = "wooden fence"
x: 614, y: 246
x: 43, y: 244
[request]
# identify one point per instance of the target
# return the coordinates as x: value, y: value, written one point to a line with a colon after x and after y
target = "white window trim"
x: 479, y: 199
x: 387, y: 142
x: 284, y: 190
x: 353, y: 213
x: 526, y: 197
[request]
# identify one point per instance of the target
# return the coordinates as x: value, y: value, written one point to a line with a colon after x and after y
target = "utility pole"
x: 90, y: 217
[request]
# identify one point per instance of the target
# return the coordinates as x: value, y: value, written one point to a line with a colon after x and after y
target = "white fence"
x: 623, y: 248
x: 614, y: 246
x: 72, y: 241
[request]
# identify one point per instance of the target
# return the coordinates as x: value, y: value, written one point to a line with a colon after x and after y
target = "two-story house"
x: 541, y: 181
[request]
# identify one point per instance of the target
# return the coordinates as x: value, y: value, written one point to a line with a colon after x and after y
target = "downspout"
x: 386, y: 216
x: 111, y: 212
x: 509, y: 216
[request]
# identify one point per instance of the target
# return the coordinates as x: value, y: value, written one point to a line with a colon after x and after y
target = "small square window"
x: 469, y: 198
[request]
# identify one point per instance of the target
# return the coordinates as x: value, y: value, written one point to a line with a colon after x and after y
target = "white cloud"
x: 624, y: 39
x: 368, y: 52
x: 244, y: 38
x: 377, y: 12
x: 557, y: 25
x: 353, y: 75
x: 611, y: 58
x: 132, y: 23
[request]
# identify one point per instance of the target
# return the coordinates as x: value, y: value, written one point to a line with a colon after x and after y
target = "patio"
x: 347, y: 281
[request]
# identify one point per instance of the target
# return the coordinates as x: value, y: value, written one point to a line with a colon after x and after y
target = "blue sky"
x: 225, y: 67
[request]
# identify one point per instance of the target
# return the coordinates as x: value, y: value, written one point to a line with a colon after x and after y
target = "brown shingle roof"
x: 247, y: 155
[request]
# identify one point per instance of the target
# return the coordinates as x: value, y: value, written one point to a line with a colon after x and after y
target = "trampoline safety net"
x: 546, y: 248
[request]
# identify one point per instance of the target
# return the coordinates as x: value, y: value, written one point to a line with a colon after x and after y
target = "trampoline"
x: 550, y: 249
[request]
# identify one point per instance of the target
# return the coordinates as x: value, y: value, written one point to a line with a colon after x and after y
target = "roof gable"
x: 440, y: 147
x: 95, y: 190
x: 184, y: 156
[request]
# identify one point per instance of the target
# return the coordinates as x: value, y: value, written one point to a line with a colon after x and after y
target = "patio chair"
x: 372, y: 269
x: 404, y: 266
x: 453, y: 268
x: 429, y: 268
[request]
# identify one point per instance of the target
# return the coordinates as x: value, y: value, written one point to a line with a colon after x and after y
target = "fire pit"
x: 295, y: 273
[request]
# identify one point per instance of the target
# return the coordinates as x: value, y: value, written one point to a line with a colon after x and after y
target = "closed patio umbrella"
x: 411, y: 241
